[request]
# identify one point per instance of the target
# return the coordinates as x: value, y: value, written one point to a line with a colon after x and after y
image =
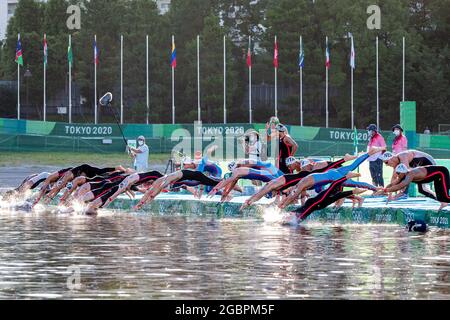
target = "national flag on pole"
x: 249, y: 58
x: 173, y: 59
x: 352, y: 56
x: 301, y: 57
x: 327, y: 57
x: 96, y: 57
x: 19, y: 57
x: 275, y: 55
x: 45, y: 50
x: 70, y: 54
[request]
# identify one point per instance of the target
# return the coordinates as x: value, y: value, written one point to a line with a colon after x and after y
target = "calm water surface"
x: 127, y: 256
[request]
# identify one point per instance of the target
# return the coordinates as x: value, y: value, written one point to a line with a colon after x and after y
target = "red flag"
x: 327, y: 58
x: 249, y: 58
x: 275, y: 55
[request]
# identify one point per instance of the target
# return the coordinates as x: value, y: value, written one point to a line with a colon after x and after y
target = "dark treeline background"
x: 424, y: 23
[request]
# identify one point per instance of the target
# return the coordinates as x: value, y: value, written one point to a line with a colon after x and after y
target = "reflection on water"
x: 142, y: 257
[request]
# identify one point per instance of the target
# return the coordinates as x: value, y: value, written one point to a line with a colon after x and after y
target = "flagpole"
x: 121, y: 79
x: 224, y: 80
x: 353, y: 115
x: 198, y: 79
x: 18, y: 91
x: 352, y: 70
x: 326, y: 94
x: 301, y: 85
x: 404, y: 63
x: 70, y: 81
x: 250, y: 83
x: 95, y: 80
x: 173, y: 86
x: 45, y: 79
x: 378, y: 87
x: 276, y: 83
x: 148, y: 88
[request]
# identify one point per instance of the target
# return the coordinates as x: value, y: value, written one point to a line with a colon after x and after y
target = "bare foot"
x: 349, y: 157
x: 358, y: 191
x: 443, y: 205
x: 338, y: 204
x: 379, y: 192
x: 357, y: 200
x: 352, y: 175
x: 361, y: 201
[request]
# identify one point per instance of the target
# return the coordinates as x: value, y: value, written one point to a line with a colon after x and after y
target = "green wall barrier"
x: 23, y: 135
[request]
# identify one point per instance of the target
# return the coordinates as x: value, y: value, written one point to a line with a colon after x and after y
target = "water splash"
x: 16, y: 202
x: 278, y: 216
x: 272, y: 215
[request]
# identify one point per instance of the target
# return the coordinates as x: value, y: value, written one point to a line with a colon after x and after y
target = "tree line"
x: 424, y: 23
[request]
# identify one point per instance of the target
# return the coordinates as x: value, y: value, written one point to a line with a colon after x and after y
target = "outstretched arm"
x: 58, y: 187
x: 157, y: 187
x: 272, y: 185
x: 75, y: 184
x: 123, y: 187
x: 46, y: 183
x: 400, y: 185
x: 240, y: 172
x: 293, y: 196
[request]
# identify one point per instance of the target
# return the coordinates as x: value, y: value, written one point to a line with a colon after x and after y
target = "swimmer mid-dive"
x: 247, y: 169
x: 29, y: 183
x: 83, y: 184
x: 51, y: 179
x: 287, y: 181
x: 325, y: 198
x: 321, y: 179
x: 411, y: 159
x: 83, y: 170
x: 182, y: 175
x: 102, y: 196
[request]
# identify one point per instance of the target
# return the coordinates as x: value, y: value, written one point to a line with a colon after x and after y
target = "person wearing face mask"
x: 253, y: 146
x: 400, y: 142
x: 140, y: 155
x: 375, y: 162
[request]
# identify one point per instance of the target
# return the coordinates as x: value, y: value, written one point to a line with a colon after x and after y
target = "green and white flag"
x: 70, y: 54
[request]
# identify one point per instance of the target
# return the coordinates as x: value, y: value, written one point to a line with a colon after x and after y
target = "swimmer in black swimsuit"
x: 172, y: 178
x: 328, y: 196
x: 29, y: 183
x: 83, y: 170
x: 411, y: 159
x: 439, y: 175
x: 51, y: 179
x: 133, y: 181
x: 290, y: 180
x: 83, y: 184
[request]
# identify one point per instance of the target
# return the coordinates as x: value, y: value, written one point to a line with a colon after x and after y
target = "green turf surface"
x: 65, y: 158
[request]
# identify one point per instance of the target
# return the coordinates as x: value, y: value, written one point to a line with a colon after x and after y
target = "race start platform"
x: 374, y: 210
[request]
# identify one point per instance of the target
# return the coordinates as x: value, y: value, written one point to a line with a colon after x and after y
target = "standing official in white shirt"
x: 140, y: 155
